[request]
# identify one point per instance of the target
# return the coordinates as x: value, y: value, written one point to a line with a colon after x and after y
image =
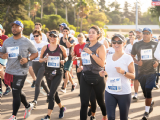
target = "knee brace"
x: 148, y: 93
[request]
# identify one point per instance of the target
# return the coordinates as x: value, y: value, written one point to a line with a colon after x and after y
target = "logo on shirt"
x: 80, y: 50
x: 14, y: 48
x: 39, y: 49
x: 153, y: 46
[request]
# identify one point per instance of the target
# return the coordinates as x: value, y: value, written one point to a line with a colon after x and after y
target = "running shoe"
x: 46, y: 118
x: 89, y: 112
x: 34, y: 104
x: 1, y: 93
x: 92, y: 118
x: 67, y: 84
x: 63, y: 90
x: 135, y: 97
x: 12, y: 118
x: 8, y: 90
x: 145, y: 116
x: 33, y: 84
x: 157, y: 87
x: 27, y: 112
x: 73, y: 87
x: 61, y: 112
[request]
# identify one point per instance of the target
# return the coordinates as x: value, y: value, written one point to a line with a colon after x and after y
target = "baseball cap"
x: 67, y: 28
x: 72, y: 32
x: 1, y: 27
x: 63, y: 24
x: 147, y: 29
x: 121, y: 37
x: 56, y: 33
x: 138, y: 30
x: 17, y: 23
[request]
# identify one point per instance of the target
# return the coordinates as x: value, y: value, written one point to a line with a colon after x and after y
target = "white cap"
x: 72, y: 32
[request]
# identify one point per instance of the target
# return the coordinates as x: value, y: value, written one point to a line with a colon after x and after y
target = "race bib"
x: 53, y: 61
x: 67, y: 50
x: 39, y: 54
x: 13, y: 52
x: 146, y: 54
x: 78, y: 62
x: 114, y: 84
x: 86, y: 59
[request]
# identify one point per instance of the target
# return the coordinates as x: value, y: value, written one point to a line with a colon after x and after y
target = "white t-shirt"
x: 157, y: 52
x: 128, y: 49
x: 136, y: 41
x: 110, y: 50
x: 123, y: 63
x: 44, y: 37
x: 39, y: 46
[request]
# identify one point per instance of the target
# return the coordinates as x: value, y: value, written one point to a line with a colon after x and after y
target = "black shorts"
x: 18, y: 81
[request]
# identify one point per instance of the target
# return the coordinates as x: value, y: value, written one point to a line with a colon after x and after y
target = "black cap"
x: 121, y: 37
x: 67, y: 28
x: 56, y: 33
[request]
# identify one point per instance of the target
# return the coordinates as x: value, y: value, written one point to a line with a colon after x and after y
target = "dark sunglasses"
x: 36, y: 36
x: 38, y: 24
x: 53, y: 36
x: 146, y: 33
x: 118, y: 42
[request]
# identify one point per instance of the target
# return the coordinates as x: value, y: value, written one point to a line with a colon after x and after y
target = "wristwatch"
x: 28, y: 58
x: 92, y: 54
x: 125, y: 73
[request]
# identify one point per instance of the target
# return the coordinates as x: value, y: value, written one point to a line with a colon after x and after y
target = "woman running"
x: 119, y: 68
x: 54, y: 56
x: 93, y: 60
x: 38, y: 67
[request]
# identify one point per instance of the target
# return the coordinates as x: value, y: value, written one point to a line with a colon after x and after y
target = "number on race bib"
x: 146, y: 54
x: 114, y: 84
x: 86, y: 59
x: 53, y: 61
x: 13, y: 52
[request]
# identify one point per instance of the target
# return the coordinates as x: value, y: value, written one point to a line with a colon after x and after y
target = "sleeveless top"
x: 57, y: 52
x: 70, y: 49
x: 102, y: 41
x: 94, y: 67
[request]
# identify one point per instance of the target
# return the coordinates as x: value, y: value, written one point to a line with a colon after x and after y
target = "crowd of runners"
x: 106, y: 68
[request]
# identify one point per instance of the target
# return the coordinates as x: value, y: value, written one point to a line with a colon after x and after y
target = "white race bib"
x: 67, y: 50
x: 53, y: 61
x: 13, y: 52
x: 146, y: 54
x: 86, y: 59
x: 78, y: 62
x: 114, y: 84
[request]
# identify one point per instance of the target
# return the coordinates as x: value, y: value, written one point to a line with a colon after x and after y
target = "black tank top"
x: 70, y: 49
x: 57, y: 52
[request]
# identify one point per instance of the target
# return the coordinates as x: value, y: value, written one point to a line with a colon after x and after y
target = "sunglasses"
x: 53, y: 36
x: 118, y: 42
x: 36, y: 36
x: 38, y: 24
x: 146, y: 33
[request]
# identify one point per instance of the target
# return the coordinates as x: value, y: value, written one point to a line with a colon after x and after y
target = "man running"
x: 2, y: 64
x: 146, y: 67
x: 38, y: 26
x: 16, y: 49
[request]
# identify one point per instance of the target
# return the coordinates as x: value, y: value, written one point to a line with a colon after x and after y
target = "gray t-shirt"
x: 14, y: 48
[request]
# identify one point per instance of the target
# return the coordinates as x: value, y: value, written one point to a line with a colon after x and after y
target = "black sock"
x: 0, y: 84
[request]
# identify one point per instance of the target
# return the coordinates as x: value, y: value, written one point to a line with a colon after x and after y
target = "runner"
x: 68, y: 43
x: 119, y: 68
x: 38, y: 67
x: 54, y: 56
x: 2, y: 65
x: 131, y: 33
x: 16, y: 49
x: 146, y: 67
x: 139, y: 36
x: 102, y: 40
x: 93, y: 60
x: 38, y: 26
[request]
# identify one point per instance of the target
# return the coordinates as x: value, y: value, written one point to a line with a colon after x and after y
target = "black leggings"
x: 78, y: 74
x: 123, y: 102
x: 157, y: 79
x: 17, y: 93
x: 53, y: 86
x: 1, y: 83
x: 39, y: 72
x: 85, y: 92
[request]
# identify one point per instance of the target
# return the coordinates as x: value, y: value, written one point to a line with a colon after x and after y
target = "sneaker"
x: 145, y: 116
x: 12, y: 118
x: 89, y: 112
x: 157, y: 87
x: 73, y: 87
x: 33, y: 84
x: 67, y: 84
x: 63, y: 90
x: 27, y: 112
x: 135, y: 97
x: 46, y: 118
x: 61, y: 112
x: 34, y: 104
x: 151, y: 107
x: 1, y: 93
x: 92, y: 118
x: 8, y: 90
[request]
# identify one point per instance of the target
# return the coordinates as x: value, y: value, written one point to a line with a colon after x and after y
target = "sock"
x: 0, y: 84
x: 136, y: 94
x: 4, y: 83
x: 147, y: 108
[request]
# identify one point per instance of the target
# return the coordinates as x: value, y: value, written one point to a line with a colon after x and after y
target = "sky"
x: 144, y: 4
